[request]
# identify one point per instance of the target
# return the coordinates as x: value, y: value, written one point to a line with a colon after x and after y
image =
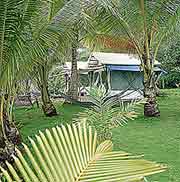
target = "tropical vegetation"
x: 156, y: 138
x: 36, y: 36
x: 144, y: 24
x: 30, y: 33
x: 169, y: 57
x: 74, y: 148
x: 106, y: 113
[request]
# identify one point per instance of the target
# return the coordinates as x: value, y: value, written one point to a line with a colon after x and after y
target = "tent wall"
x: 122, y: 80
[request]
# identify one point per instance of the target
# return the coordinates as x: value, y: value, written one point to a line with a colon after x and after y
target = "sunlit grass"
x: 157, y: 138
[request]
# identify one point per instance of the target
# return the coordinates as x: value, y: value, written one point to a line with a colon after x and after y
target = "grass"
x: 32, y: 119
x: 157, y: 138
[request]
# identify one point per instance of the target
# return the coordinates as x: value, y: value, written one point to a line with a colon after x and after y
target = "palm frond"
x: 74, y: 148
x: 134, y: 20
x: 107, y: 112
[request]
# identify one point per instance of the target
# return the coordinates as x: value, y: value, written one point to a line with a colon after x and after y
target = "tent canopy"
x: 118, y: 59
x: 127, y: 68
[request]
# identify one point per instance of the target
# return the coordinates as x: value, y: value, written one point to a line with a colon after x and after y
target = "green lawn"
x: 157, y: 138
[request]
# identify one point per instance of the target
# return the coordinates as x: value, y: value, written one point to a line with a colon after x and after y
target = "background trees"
x: 169, y: 56
x: 34, y: 33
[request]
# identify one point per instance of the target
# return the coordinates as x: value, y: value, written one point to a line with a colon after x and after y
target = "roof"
x: 117, y: 59
x: 83, y: 67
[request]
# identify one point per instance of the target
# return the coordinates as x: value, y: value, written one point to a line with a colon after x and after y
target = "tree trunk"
x: 150, y: 107
x: 9, y: 134
x: 157, y: 90
x: 47, y: 105
x: 73, y: 90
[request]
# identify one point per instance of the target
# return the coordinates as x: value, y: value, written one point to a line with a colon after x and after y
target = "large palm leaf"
x: 70, y: 153
x: 135, y: 20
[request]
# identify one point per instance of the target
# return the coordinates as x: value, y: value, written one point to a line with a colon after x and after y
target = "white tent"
x: 123, y: 72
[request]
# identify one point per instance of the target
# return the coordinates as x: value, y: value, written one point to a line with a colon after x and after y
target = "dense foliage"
x: 34, y: 34
x: 57, y: 80
x: 169, y: 56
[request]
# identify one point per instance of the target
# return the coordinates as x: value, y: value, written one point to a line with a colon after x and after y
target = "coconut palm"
x: 70, y: 154
x: 144, y: 24
x: 41, y: 72
x: 15, y: 19
x: 28, y: 29
x: 54, y: 12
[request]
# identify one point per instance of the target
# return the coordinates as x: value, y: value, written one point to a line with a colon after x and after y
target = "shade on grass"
x: 157, y: 138
x: 33, y: 120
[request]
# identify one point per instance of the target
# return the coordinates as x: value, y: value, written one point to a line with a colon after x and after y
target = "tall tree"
x: 74, y: 81
x: 15, y: 44
x: 145, y: 24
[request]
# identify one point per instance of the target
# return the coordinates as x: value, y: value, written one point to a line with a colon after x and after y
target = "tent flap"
x: 128, y: 68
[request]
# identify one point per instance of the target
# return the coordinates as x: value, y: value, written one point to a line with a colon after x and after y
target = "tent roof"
x: 83, y: 67
x: 117, y: 59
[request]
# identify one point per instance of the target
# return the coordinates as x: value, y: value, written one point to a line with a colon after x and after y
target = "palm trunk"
x: 150, y: 107
x: 9, y: 134
x: 47, y: 105
x: 73, y: 90
x: 3, y: 153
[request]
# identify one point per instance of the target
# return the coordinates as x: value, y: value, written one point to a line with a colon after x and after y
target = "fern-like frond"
x: 70, y: 153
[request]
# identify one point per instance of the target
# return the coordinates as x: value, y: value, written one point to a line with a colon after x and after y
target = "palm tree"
x: 106, y: 112
x: 57, y: 14
x: 28, y: 28
x: 41, y: 73
x: 15, y: 19
x: 42, y: 82
x: 144, y: 24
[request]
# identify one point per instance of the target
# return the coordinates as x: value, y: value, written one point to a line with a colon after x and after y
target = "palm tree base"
x: 151, y: 108
x: 49, y: 110
x: 7, y: 145
x: 7, y: 153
